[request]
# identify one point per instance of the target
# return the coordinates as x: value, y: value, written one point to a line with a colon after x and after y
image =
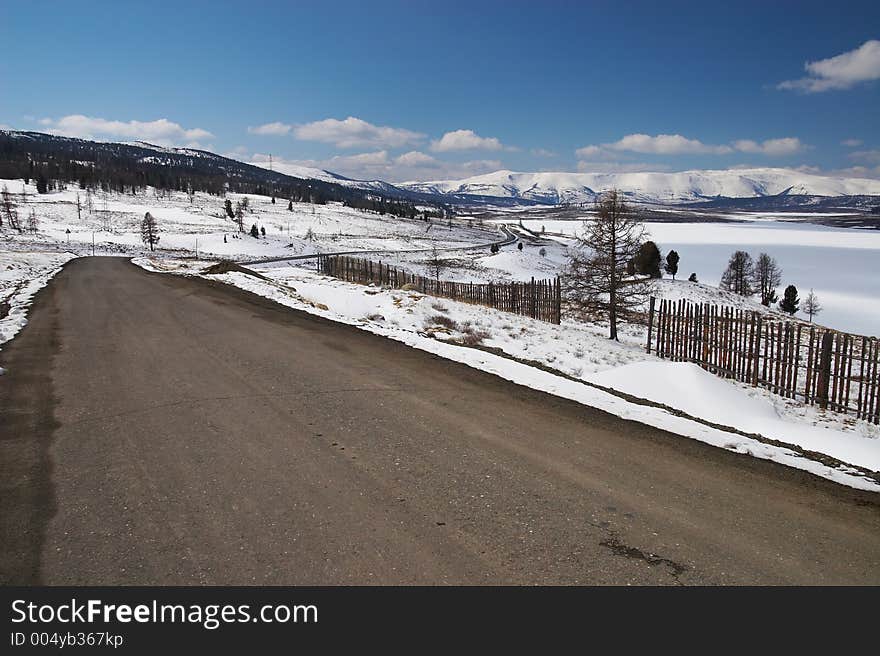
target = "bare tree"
x: 9, y: 210
x: 33, y: 224
x: 149, y: 231
x: 190, y: 192
x: 766, y: 278
x: 811, y: 305
x: 596, y: 278
x: 435, y: 264
x: 739, y: 274
x: 241, y: 208
x: 79, y: 208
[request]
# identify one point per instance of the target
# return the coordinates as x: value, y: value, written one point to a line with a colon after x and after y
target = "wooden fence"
x: 538, y: 299
x: 833, y: 370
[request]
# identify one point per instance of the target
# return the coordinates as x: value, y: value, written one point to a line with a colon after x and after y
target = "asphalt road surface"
x: 162, y: 430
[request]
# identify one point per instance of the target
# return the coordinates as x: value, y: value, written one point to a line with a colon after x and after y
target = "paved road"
x: 509, y: 238
x: 159, y: 430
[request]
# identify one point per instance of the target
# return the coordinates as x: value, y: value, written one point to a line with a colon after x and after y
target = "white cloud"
x: 771, y: 147
x: 843, y: 71
x: 236, y: 153
x: 676, y: 144
x: 275, y: 129
x: 161, y: 132
x: 665, y: 144
x: 857, y: 172
x: 866, y: 156
x: 417, y: 159
x: 355, y: 133
x: 591, y: 151
x: 465, y: 140
x: 851, y: 143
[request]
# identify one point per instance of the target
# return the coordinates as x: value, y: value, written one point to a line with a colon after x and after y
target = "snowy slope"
x: 685, y: 186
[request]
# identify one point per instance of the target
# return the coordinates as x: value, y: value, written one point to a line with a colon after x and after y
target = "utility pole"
x: 93, y: 243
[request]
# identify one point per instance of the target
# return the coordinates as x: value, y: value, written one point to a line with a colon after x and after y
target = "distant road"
x: 163, y: 430
x: 509, y: 238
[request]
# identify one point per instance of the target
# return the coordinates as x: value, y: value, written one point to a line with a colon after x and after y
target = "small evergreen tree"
x: 692, y: 278
x: 647, y: 260
x: 255, y: 232
x: 520, y: 245
x: 42, y: 184
x: 263, y: 230
x: 229, y: 211
x: 494, y: 248
x: 290, y: 206
x: 672, y: 263
x: 790, y: 300
x: 543, y: 252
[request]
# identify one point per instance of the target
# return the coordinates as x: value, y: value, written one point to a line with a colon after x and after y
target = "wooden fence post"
x: 825, y: 355
x: 650, y: 322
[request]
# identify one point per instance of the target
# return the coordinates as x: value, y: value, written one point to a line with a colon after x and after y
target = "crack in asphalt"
x: 621, y: 549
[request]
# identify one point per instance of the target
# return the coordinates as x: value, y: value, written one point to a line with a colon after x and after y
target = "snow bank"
x: 22, y: 275
x: 687, y: 387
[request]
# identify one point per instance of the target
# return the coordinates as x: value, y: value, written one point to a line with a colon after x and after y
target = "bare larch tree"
x: 596, y: 279
x: 811, y: 305
x: 9, y: 210
x: 435, y: 264
x: 739, y: 274
x: 767, y: 277
x: 150, y: 231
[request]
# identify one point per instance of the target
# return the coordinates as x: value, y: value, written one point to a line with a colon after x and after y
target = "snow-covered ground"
x: 22, y: 274
x: 576, y: 361
x: 201, y: 226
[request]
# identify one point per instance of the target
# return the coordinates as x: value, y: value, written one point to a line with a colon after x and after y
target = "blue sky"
x: 427, y: 90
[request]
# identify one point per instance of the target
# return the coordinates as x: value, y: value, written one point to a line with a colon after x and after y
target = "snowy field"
x: 839, y: 264
x: 576, y: 361
x: 200, y: 226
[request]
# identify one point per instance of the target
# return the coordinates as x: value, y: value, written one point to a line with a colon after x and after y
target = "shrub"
x: 443, y: 320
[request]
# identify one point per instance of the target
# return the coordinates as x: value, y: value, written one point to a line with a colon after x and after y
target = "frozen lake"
x: 841, y: 265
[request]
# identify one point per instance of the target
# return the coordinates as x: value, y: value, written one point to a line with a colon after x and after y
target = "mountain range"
x: 650, y: 188
x: 753, y: 189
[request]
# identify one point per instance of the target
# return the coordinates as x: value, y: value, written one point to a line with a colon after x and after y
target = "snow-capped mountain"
x: 310, y: 173
x: 663, y: 188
